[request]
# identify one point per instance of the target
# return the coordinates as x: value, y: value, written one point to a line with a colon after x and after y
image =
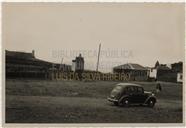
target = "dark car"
x: 126, y: 94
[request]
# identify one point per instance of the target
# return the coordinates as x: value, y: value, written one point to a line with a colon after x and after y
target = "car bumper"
x: 112, y: 100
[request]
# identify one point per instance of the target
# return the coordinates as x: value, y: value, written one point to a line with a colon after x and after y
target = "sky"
x: 128, y: 32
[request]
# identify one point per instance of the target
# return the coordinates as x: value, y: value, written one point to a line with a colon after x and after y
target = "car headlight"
x: 152, y: 94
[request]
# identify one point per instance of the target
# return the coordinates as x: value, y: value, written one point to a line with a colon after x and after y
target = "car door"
x: 140, y: 95
x: 132, y: 94
x: 135, y: 95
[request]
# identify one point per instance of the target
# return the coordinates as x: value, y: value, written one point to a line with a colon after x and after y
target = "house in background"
x: 26, y: 65
x: 21, y: 64
x: 178, y: 68
x: 160, y: 72
x: 166, y: 72
x: 135, y: 71
x: 78, y: 64
x: 153, y: 73
x: 180, y: 77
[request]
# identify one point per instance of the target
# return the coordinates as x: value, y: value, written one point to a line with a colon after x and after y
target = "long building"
x: 135, y: 71
x: 26, y: 65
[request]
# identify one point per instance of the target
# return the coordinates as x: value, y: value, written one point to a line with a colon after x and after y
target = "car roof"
x: 128, y: 84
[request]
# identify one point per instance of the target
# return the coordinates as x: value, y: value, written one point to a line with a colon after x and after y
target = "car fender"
x: 125, y: 96
x: 153, y: 97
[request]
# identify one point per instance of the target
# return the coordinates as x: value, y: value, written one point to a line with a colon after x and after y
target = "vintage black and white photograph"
x: 71, y: 63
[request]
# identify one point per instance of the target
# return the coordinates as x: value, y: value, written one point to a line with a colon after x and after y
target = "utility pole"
x: 98, y: 58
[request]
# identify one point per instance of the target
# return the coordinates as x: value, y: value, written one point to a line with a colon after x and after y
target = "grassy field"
x: 42, y: 101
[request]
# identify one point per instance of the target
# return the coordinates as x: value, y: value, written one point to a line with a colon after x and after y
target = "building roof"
x: 163, y: 67
x: 78, y: 58
x: 130, y: 66
x: 21, y: 55
x: 22, y: 58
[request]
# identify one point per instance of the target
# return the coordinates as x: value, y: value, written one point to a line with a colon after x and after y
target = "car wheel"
x: 125, y: 103
x: 116, y: 103
x: 151, y: 103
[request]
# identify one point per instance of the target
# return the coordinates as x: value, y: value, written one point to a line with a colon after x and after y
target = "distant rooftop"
x: 21, y: 55
x: 130, y: 66
x: 163, y: 67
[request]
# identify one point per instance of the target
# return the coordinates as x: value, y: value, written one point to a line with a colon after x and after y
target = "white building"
x: 153, y: 73
x: 78, y: 63
x: 180, y: 77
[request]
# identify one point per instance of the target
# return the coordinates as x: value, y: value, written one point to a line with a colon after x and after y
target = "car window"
x: 140, y: 90
x: 130, y: 89
x: 136, y: 89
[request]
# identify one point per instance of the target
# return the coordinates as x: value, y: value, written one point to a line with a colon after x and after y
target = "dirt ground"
x: 41, y: 101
